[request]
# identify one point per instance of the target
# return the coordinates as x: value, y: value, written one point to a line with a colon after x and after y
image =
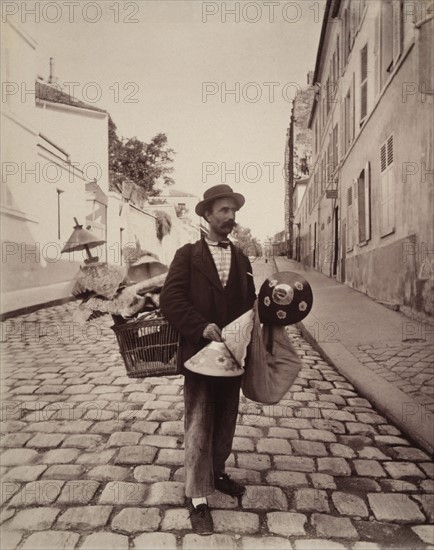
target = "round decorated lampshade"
x: 285, y: 298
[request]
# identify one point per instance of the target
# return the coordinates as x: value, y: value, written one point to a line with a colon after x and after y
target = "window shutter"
x: 361, y: 207
x: 383, y: 158
x: 390, y: 150
x: 335, y: 147
x: 387, y: 187
x: 353, y: 25
x: 384, y: 189
x: 350, y: 223
x: 386, y: 37
x: 397, y: 29
x: 377, y: 55
x: 390, y: 183
x: 367, y: 201
x: 330, y: 166
x: 364, y: 82
x: 353, y: 109
x: 355, y: 210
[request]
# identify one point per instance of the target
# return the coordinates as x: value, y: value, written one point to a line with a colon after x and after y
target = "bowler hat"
x: 285, y: 298
x: 220, y: 191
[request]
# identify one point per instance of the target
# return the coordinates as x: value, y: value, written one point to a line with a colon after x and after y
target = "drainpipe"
x: 291, y: 184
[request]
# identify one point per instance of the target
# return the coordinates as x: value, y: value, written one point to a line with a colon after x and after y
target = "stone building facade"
x: 366, y: 216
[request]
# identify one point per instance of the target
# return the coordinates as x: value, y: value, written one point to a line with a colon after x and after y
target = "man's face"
x: 221, y: 217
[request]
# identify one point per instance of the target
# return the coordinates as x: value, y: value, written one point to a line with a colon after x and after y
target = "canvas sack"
x: 272, y: 364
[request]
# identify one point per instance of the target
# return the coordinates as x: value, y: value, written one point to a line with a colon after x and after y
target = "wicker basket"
x: 149, y: 347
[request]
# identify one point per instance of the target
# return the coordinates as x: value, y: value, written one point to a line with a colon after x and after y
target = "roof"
x: 97, y: 193
x: 301, y: 181
x: 178, y: 193
x: 53, y: 94
x: 331, y: 9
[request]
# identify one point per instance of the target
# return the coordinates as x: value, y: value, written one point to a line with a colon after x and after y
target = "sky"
x: 217, y: 78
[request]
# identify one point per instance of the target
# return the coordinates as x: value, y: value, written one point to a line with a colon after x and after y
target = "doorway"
x: 343, y: 249
x: 336, y: 243
x: 314, y: 245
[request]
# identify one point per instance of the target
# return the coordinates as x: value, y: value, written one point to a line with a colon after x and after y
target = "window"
x: 330, y: 163
x: 392, y: 36
x: 335, y: 147
x: 363, y: 83
x: 364, y: 206
x: 333, y: 72
x: 349, y: 108
x: 328, y: 97
x: 397, y: 32
x: 346, y: 37
x: 347, y: 103
x: 350, y: 221
x: 386, y: 35
x: 387, y: 187
x: 377, y: 67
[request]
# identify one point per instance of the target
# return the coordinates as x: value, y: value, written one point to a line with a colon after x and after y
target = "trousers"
x: 210, y: 416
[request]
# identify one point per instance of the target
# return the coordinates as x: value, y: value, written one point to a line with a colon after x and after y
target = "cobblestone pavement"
x: 408, y: 365
x: 398, y: 349
x: 93, y: 459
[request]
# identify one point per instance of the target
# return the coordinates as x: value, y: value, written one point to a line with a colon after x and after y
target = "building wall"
x: 302, y: 149
x: 129, y: 225
x: 32, y: 231
x: 83, y: 133
x: 383, y: 249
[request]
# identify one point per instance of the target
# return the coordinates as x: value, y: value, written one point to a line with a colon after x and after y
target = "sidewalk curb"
x: 410, y: 416
x: 30, y: 309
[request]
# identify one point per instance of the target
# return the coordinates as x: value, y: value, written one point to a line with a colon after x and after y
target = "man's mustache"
x: 230, y: 225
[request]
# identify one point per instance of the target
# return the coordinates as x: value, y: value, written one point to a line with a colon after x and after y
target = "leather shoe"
x: 228, y: 486
x: 201, y: 519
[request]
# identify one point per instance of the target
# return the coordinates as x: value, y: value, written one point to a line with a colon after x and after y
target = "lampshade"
x: 81, y: 239
x: 145, y: 267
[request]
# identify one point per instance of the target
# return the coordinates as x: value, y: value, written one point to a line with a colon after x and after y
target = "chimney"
x: 310, y: 78
x: 52, y: 79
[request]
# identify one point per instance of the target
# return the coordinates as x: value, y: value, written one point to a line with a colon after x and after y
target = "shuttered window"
x: 377, y: 75
x: 350, y: 221
x: 330, y: 163
x: 367, y: 201
x: 364, y: 205
x: 335, y: 147
x: 397, y: 24
x: 347, y: 127
x: 349, y: 113
x: 387, y: 187
x: 363, y: 83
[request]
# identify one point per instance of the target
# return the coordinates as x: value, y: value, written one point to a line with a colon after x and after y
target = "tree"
x: 142, y: 163
x: 245, y: 241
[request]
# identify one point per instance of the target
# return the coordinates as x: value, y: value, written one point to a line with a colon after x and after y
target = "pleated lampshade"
x: 81, y: 239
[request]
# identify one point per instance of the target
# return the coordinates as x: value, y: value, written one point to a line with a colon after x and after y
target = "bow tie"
x: 221, y: 244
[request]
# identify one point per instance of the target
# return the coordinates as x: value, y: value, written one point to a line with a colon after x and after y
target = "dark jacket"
x: 193, y: 296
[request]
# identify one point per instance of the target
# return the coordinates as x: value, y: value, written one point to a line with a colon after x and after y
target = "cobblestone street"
x: 93, y: 459
x: 408, y: 365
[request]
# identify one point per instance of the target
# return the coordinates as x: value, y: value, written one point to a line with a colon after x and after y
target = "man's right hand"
x: 212, y: 332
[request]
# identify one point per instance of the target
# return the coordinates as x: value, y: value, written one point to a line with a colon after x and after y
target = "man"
x: 209, y: 284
